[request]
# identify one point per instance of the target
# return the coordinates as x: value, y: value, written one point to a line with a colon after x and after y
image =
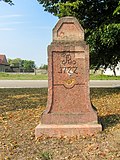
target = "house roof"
x: 3, y: 59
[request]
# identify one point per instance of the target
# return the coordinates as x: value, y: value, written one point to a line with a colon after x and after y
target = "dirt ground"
x: 20, y: 111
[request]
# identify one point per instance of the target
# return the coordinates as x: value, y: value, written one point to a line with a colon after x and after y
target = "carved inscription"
x: 68, y: 65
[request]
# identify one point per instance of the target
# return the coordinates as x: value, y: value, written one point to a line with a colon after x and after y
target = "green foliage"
x: 117, y: 11
x: 101, y: 21
x: 46, y: 156
x: 45, y: 66
x: 15, y: 62
x: 91, y: 13
x: 68, y: 8
x: 105, y: 48
x: 8, y: 1
x: 26, y: 65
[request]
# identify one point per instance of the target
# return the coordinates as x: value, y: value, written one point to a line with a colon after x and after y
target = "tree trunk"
x: 114, y: 71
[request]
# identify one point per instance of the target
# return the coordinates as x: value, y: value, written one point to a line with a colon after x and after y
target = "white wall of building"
x: 109, y: 71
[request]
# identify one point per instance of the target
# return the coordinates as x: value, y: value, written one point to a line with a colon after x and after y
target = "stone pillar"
x: 69, y: 111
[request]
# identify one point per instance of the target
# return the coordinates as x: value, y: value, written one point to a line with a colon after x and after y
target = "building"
x: 3, y: 63
x: 110, y: 72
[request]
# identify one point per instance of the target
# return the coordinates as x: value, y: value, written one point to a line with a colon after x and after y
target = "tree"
x: 117, y: 10
x: 91, y: 13
x: 15, y: 62
x: 45, y: 66
x: 28, y: 65
x: 101, y: 21
x: 25, y: 65
x: 8, y: 1
x: 105, y: 48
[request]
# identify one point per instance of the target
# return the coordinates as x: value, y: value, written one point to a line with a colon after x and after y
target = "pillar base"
x: 66, y: 130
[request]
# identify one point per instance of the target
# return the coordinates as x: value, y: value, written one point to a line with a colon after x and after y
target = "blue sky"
x: 25, y: 30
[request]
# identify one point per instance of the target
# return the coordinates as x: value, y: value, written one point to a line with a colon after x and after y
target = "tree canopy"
x: 8, y: 1
x: 91, y: 13
x: 25, y: 65
x: 117, y: 11
x: 101, y: 21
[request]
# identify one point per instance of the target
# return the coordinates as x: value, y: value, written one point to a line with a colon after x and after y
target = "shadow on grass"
x: 101, y: 92
x: 19, y: 99
x: 109, y: 120
x: 102, y: 97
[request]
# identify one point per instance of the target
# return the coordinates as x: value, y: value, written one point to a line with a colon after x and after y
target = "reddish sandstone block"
x: 68, y: 83
x: 67, y: 130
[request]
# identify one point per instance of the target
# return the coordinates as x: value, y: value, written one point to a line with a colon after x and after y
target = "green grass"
x: 17, y: 76
x: 7, y: 76
x: 103, y: 77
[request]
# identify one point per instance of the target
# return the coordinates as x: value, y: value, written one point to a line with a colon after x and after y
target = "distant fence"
x: 36, y: 71
x: 97, y: 72
x: 41, y: 71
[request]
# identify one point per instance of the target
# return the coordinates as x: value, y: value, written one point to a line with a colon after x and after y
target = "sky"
x: 25, y: 30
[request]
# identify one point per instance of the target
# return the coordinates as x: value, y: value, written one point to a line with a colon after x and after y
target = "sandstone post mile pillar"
x: 69, y: 111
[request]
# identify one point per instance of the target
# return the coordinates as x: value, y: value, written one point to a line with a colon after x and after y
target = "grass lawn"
x: 20, y: 111
x: 7, y: 76
x: 103, y: 77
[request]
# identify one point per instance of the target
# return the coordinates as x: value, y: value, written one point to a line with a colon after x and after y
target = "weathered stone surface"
x: 68, y: 29
x: 69, y: 105
x: 67, y: 130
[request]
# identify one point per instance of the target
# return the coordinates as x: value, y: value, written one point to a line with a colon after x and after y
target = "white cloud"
x: 7, y: 29
x: 11, y: 16
x: 42, y: 27
x: 15, y: 22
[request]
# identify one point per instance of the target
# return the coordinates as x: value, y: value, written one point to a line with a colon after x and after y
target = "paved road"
x: 105, y: 83
x: 23, y: 83
x: 44, y: 83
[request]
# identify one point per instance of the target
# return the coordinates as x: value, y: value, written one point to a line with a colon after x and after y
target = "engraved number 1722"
x: 69, y: 70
